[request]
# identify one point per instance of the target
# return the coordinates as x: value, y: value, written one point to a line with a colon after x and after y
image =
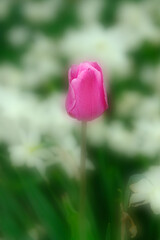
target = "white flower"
x: 15, y: 104
x: 106, y: 46
x: 148, y: 146
x: 29, y: 151
x: 51, y: 117
x: 18, y: 35
x: 5, y: 8
x: 143, y: 112
x: 97, y: 132
x: 136, y: 105
x: 40, y: 11
x: 70, y: 161
x: 152, y: 8
x: 149, y: 107
x: 38, y: 65
x: 150, y: 75
x: 121, y: 139
x: 147, y: 190
x: 142, y: 138
x: 127, y: 103
x: 38, y: 133
x: 135, y: 18
x: 10, y: 75
x: 16, y: 110
x: 40, y: 61
x: 89, y: 10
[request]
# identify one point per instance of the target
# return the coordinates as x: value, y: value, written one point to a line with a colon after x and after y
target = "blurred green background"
x: 40, y: 144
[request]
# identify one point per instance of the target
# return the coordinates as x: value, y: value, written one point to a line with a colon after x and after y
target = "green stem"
x: 82, y: 210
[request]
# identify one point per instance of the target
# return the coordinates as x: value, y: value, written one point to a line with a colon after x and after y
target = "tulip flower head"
x: 87, y: 97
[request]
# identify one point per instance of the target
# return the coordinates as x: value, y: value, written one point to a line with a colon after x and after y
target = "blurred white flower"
x: 18, y: 35
x: 10, y: 75
x: 5, y: 8
x: 19, y: 130
x: 136, y: 105
x: 143, y: 112
x: 40, y: 61
x: 38, y: 65
x: 147, y: 137
x: 29, y: 151
x: 142, y: 138
x: 150, y: 76
x: 153, y: 9
x: 40, y: 11
x: 147, y: 190
x: 138, y: 22
x: 148, y: 107
x: 128, y: 103
x: 89, y: 10
x: 52, y: 119
x: 121, y: 139
x: 38, y: 139
x: 70, y: 161
x: 110, y: 46
x: 97, y: 132
x: 17, y: 105
x: 107, y: 46
x: 16, y: 110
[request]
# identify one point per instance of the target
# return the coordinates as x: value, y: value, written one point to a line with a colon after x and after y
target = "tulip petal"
x: 73, y: 72
x: 70, y: 100
x: 96, y: 66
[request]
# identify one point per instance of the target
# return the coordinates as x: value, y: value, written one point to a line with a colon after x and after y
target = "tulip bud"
x: 87, y: 98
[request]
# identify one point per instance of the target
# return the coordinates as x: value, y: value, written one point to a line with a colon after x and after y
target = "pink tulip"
x: 87, y: 98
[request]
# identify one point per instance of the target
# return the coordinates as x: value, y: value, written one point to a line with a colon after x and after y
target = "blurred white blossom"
x: 39, y: 133
x: 40, y: 61
x: 137, y: 105
x: 147, y: 137
x: 140, y: 139
x: 10, y: 75
x: 29, y: 151
x: 70, y: 161
x: 142, y: 136
x: 137, y: 20
x: 121, y: 139
x: 106, y: 46
x: 97, y: 132
x: 89, y: 10
x: 18, y: 35
x: 39, y: 64
x: 128, y: 103
x: 153, y: 8
x: 40, y: 11
x: 147, y: 190
x: 5, y: 8
x: 151, y: 76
